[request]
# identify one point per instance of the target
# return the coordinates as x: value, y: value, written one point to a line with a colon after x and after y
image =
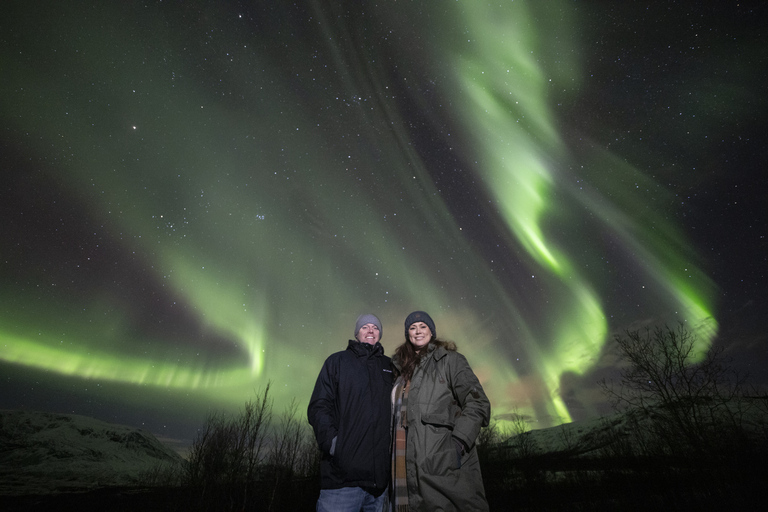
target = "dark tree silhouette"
x: 691, y: 396
x: 247, y: 462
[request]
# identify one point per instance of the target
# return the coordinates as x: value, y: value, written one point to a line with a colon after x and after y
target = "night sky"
x: 198, y: 198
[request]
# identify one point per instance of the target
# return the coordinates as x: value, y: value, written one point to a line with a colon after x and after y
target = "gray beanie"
x: 420, y: 316
x: 368, y: 319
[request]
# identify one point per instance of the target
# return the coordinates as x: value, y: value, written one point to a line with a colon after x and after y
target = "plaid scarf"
x: 399, y: 482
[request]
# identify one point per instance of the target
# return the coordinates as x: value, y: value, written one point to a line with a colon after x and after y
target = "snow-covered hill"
x: 44, y: 452
x: 589, y: 438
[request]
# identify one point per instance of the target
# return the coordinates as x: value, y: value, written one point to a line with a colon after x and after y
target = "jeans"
x: 349, y: 499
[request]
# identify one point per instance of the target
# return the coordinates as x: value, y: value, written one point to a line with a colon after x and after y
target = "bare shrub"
x: 227, y: 452
x: 489, y: 435
x: 293, y: 454
x: 162, y: 474
x: 522, y: 442
x: 491, y: 447
x: 570, y: 440
x: 248, y: 458
x: 689, y: 396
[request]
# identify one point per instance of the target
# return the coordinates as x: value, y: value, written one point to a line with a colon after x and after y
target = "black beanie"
x: 420, y: 316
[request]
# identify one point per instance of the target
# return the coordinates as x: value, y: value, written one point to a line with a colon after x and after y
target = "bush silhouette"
x: 691, y: 399
x: 248, y: 462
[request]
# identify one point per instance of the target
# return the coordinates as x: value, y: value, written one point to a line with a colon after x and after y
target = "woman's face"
x: 419, y: 335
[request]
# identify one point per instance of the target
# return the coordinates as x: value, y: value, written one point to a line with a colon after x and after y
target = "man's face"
x: 369, y: 333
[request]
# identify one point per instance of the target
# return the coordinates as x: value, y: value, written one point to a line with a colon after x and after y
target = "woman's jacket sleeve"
x: 475, y: 406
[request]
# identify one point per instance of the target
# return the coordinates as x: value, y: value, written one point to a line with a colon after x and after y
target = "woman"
x: 439, y: 407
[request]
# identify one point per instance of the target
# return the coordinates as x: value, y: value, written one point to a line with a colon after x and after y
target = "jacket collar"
x: 436, y: 352
x: 361, y: 349
x: 433, y: 351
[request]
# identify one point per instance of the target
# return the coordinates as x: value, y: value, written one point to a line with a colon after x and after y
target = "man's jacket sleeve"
x: 321, y: 412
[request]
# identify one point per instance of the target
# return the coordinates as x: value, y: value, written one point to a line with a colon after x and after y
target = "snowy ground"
x: 47, y: 453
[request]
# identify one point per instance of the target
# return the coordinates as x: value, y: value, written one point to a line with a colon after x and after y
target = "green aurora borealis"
x: 203, y: 197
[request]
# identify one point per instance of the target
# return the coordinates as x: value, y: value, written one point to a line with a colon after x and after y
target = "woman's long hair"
x: 409, y: 359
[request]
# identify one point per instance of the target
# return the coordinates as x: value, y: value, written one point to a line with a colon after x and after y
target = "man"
x: 350, y: 413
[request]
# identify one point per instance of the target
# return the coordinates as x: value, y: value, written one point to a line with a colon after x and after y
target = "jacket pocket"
x: 438, y: 419
x: 440, y: 451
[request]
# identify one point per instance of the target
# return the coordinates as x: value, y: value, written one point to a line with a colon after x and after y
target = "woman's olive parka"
x: 445, y: 400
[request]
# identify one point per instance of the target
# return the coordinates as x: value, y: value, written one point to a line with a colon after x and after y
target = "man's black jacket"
x: 351, y: 403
